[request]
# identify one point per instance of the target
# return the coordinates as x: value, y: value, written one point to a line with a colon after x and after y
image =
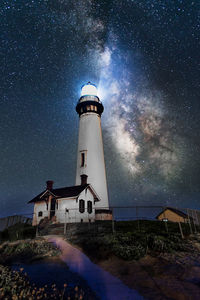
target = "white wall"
x: 90, y: 140
x: 63, y: 204
x: 72, y: 204
x: 39, y: 206
x: 87, y: 196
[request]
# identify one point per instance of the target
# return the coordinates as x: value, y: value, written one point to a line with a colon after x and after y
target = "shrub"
x: 17, y: 232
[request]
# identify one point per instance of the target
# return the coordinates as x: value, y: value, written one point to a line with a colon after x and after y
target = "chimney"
x: 49, y: 184
x: 84, y: 179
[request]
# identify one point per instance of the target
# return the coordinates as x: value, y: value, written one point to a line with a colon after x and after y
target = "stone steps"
x: 51, y: 229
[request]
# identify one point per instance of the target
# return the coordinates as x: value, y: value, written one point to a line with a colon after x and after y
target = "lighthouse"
x: 87, y: 201
x: 90, y: 156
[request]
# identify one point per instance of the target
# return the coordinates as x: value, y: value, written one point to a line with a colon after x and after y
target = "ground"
x: 16, y: 284
x: 163, y: 277
x: 156, y: 263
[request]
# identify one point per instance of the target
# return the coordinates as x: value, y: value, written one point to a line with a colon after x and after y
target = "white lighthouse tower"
x: 90, y: 157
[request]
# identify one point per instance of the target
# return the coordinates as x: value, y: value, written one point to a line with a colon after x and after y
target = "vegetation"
x: 130, y: 241
x: 133, y: 239
x: 26, y: 250
x: 15, y: 285
x: 18, y: 231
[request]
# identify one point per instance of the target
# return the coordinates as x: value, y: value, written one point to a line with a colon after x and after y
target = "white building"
x: 87, y: 201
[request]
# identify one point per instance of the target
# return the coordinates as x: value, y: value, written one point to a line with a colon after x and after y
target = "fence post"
x: 166, y: 227
x: 181, y: 231
x: 7, y: 223
x: 36, y: 225
x: 89, y: 227
x: 197, y: 218
x: 113, y: 223
x: 138, y: 222
x: 37, y: 233
x: 65, y: 224
x: 189, y: 221
x: 193, y: 218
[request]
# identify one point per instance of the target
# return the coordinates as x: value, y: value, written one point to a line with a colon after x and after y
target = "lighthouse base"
x: 103, y: 215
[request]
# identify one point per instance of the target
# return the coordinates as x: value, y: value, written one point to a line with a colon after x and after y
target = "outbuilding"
x: 65, y: 205
x: 173, y: 215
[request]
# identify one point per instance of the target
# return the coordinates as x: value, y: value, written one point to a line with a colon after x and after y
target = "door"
x: 53, y: 207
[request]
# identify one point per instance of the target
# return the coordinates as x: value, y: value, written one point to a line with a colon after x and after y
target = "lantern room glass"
x: 89, y: 89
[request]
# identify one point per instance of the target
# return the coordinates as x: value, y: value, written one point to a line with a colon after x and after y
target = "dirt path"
x: 105, y: 285
x: 164, y: 277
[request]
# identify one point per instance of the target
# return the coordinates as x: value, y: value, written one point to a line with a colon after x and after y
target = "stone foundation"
x: 103, y: 215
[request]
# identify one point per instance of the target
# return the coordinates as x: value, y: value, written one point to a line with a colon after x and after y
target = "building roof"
x: 176, y: 211
x: 66, y: 192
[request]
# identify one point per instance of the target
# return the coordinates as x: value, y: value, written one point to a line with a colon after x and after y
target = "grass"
x: 18, y: 231
x: 26, y: 250
x: 133, y: 239
x: 15, y: 285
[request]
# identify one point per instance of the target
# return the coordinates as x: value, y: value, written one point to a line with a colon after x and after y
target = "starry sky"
x: 144, y: 58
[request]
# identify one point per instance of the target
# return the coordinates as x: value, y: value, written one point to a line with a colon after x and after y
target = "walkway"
x: 105, y: 285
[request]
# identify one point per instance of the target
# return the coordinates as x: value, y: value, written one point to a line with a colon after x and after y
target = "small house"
x: 173, y: 215
x: 66, y: 205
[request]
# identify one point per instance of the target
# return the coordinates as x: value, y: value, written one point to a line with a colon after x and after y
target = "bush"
x: 17, y: 232
x: 129, y: 242
x: 26, y: 251
x: 165, y: 243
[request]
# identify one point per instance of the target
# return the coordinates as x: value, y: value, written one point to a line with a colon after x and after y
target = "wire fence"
x: 72, y: 221
x: 17, y: 227
x: 9, y: 221
x: 113, y: 219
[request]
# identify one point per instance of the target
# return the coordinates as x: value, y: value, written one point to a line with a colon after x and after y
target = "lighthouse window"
x: 81, y: 206
x: 89, y: 207
x: 88, y: 107
x: 82, y: 159
x: 40, y: 214
x: 95, y: 108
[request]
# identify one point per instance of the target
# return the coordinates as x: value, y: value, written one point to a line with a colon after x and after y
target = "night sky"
x: 144, y: 58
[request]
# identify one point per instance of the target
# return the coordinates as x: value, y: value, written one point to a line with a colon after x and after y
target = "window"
x: 40, y: 214
x: 82, y: 159
x: 89, y: 207
x: 81, y: 206
x: 165, y: 220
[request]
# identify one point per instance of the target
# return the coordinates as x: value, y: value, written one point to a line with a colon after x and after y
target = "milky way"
x: 144, y: 58
x: 140, y: 127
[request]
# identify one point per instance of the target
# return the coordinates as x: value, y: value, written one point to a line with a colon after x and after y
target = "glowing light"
x: 89, y: 89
